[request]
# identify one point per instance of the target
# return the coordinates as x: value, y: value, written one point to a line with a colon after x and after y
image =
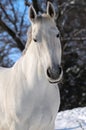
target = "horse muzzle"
x: 54, y: 74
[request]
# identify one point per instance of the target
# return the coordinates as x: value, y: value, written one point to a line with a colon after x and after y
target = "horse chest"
x: 39, y: 107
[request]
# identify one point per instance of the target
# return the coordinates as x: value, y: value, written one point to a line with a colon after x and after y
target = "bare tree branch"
x: 66, y: 6
x: 35, y: 5
x: 73, y: 39
x: 12, y: 34
x: 7, y: 16
x: 22, y: 21
x: 27, y: 3
x: 15, y: 16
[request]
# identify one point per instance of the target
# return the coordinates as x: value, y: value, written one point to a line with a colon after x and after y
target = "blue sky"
x: 16, y: 53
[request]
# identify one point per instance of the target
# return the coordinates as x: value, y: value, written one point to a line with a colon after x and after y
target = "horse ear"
x: 50, y: 10
x: 32, y: 14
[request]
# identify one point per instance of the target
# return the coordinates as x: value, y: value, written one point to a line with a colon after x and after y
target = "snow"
x: 71, y: 119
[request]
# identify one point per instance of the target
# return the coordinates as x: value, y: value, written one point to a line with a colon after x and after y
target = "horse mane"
x: 29, y: 39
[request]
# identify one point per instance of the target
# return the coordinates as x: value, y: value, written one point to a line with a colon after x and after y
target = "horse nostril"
x: 49, y: 72
x: 54, y: 72
x: 59, y: 70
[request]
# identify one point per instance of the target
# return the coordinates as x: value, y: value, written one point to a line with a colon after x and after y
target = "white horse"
x: 29, y: 95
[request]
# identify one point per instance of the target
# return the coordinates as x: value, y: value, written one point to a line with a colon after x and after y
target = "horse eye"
x: 35, y: 40
x: 58, y: 35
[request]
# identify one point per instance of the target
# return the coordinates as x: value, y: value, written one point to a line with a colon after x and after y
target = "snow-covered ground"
x: 71, y: 119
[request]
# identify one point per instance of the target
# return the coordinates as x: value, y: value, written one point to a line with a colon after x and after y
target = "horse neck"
x: 30, y: 65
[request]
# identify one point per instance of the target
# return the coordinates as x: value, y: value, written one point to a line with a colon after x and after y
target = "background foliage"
x: 71, y: 21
